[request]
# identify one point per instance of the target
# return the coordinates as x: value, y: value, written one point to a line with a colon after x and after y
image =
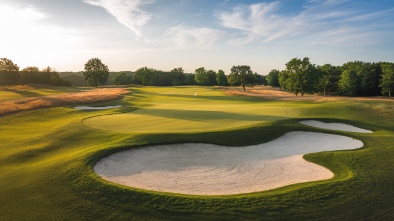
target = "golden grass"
x: 96, y: 95
x: 272, y: 93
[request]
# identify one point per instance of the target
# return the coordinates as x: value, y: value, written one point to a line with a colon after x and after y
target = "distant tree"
x: 301, y: 76
x: 190, y: 79
x: 201, y: 76
x: 221, y: 78
x: 178, y: 76
x: 7, y: 65
x: 273, y: 78
x: 329, y: 75
x: 96, y: 73
x: 144, y: 76
x: 347, y: 84
x: 48, y: 69
x: 211, y: 78
x: 31, y: 69
x: 387, y: 81
x: 8, y: 72
x: 243, y: 75
x: 161, y: 78
x: 122, y: 79
x: 260, y: 79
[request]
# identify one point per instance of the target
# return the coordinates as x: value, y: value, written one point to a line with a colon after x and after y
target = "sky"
x: 215, y: 34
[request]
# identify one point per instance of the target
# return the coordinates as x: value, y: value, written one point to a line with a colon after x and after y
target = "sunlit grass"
x: 46, y: 158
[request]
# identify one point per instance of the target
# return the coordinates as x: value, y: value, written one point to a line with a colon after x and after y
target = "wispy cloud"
x: 127, y: 12
x: 328, y: 21
x: 190, y: 37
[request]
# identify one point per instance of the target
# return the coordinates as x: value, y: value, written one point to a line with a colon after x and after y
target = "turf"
x: 46, y: 159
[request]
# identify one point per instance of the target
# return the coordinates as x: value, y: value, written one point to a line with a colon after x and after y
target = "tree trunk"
x: 389, y: 93
x: 243, y: 86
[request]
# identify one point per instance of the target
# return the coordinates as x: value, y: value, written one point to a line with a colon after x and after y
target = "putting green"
x: 175, y: 118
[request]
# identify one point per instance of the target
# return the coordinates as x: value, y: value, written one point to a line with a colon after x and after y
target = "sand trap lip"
x: 334, y: 126
x: 206, y: 169
x: 96, y: 108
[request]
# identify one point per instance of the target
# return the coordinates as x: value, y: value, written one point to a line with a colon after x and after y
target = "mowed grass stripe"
x: 46, y: 158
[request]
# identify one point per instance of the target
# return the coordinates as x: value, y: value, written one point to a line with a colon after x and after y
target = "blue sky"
x: 215, y: 34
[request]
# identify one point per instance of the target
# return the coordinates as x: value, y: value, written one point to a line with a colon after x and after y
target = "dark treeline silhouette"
x: 10, y: 75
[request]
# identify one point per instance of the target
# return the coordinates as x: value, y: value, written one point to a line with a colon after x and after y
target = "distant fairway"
x: 7, y: 95
x: 178, y: 110
x: 47, y: 156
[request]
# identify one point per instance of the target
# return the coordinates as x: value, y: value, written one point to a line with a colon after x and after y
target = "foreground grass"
x: 46, y: 157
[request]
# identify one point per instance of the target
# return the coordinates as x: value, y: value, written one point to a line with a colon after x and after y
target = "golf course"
x: 56, y: 157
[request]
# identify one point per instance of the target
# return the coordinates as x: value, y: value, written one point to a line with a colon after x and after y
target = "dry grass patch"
x: 96, y: 95
x: 272, y: 93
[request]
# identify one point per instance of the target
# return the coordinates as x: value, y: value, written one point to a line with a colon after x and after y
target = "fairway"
x: 7, y: 95
x: 47, y: 157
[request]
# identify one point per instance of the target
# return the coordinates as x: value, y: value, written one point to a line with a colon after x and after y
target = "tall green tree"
x: 273, y: 78
x: 8, y: 72
x: 347, y: 84
x: 211, y: 77
x: 122, y: 79
x: 301, y: 76
x: 201, y: 76
x: 178, y: 76
x: 387, y: 81
x: 242, y: 75
x: 96, y: 73
x: 221, y: 78
x: 329, y: 76
x: 144, y: 76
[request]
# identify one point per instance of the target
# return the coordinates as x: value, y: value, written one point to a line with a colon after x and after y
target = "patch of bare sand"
x: 334, y: 126
x: 92, y: 96
x: 206, y: 169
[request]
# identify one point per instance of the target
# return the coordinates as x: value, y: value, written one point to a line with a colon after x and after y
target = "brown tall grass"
x: 271, y: 93
x: 96, y: 95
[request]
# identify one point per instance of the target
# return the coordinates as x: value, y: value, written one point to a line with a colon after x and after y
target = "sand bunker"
x: 334, y: 126
x: 96, y: 108
x: 206, y: 169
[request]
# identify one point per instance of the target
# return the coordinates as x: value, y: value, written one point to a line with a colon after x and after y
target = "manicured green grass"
x: 46, y: 159
x: 7, y: 95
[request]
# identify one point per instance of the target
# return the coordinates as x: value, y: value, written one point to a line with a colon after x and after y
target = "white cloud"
x: 189, y: 37
x: 328, y: 21
x: 127, y: 12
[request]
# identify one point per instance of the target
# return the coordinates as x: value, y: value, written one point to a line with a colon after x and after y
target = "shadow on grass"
x: 202, y: 115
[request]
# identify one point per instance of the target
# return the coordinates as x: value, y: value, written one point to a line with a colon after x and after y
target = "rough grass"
x: 30, y: 103
x: 46, y: 159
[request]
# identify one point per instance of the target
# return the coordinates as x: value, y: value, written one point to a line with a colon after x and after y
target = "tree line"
x: 300, y: 76
x: 240, y: 75
x: 351, y: 79
x: 11, y: 75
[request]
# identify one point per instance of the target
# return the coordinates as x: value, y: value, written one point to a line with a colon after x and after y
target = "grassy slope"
x: 46, y: 158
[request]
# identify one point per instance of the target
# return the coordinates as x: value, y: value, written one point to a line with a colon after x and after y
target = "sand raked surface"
x: 206, y: 169
x: 334, y: 126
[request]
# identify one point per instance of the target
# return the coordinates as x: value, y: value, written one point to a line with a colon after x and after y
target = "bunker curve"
x: 207, y: 169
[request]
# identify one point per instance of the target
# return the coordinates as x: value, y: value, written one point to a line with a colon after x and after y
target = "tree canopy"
x: 387, y: 81
x: 96, y: 73
x: 242, y: 75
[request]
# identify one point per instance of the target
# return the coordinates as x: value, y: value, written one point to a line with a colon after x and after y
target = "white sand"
x: 334, y: 126
x: 96, y: 108
x: 206, y: 169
